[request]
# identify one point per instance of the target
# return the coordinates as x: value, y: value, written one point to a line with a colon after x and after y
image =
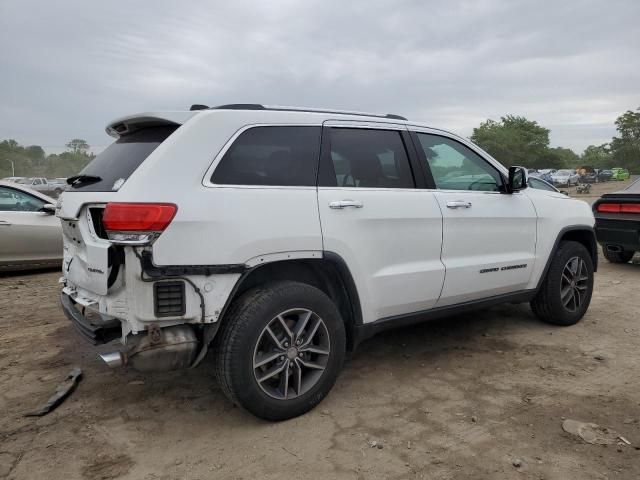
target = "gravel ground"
x: 480, y: 395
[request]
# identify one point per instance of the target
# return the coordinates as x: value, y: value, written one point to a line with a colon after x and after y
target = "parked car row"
x: 48, y: 186
x: 572, y: 177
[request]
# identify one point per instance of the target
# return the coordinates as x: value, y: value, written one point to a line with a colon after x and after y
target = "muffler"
x: 614, y: 248
x: 113, y: 359
x: 162, y: 349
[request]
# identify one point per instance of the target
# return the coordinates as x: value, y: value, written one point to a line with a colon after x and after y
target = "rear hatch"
x: 88, y: 255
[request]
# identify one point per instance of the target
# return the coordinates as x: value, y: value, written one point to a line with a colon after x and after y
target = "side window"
x: 457, y: 167
x: 279, y: 156
x: 16, y: 201
x: 37, y: 181
x: 370, y: 158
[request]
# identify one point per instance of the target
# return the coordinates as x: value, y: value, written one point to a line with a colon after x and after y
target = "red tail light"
x: 138, y: 217
x: 619, y: 208
x: 124, y: 221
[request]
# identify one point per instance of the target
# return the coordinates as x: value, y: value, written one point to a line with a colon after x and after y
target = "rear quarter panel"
x: 220, y: 224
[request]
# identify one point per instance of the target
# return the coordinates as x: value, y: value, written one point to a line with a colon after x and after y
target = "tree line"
x: 514, y: 140
x: 31, y: 161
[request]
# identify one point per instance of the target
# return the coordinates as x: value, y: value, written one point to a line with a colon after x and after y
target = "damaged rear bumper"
x: 94, y: 328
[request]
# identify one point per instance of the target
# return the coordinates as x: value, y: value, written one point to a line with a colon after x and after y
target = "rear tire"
x: 617, y: 257
x: 290, y: 328
x: 565, y: 293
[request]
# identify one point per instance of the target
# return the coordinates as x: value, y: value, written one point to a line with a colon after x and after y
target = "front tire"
x: 565, y: 293
x: 617, y: 257
x: 280, y: 350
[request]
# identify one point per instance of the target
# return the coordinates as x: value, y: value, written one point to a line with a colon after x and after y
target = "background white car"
x: 565, y: 177
x: 30, y: 234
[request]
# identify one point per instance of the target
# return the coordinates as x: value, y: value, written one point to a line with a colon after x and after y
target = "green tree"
x: 625, y: 149
x: 12, y: 152
x: 564, y: 157
x: 78, y: 145
x: 516, y: 140
x: 597, y: 156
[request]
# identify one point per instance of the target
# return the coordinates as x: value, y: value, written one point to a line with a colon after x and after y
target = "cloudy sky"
x: 68, y: 67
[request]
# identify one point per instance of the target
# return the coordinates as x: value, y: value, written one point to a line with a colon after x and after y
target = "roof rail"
x: 257, y: 106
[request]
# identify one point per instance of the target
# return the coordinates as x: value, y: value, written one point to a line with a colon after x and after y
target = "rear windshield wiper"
x: 78, y: 179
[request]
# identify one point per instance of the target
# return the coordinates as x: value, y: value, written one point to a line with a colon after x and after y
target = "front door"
x: 489, y: 237
x: 388, y: 231
x: 26, y: 233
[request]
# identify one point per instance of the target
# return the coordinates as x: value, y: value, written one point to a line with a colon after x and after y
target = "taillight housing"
x: 137, y: 223
x: 618, y: 208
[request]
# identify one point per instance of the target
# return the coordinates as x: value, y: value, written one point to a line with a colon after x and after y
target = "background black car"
x: 604, y: 175
x: 618, y: 223
x: 589, y: 177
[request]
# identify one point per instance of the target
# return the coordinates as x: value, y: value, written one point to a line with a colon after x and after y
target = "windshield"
x: 563, y: 172
x: 118, y: 161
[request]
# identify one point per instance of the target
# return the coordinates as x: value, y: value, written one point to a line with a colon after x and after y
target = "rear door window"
x: 369, y: 158
x: 273, y: 155
x: 120, y: 159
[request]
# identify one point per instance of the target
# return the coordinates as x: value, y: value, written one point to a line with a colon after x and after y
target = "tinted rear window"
x: 279, y: 156
x: 120, y: 159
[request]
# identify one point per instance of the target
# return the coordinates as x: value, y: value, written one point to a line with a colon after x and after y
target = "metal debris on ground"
x: 62, y: 391
x: 591, y: 432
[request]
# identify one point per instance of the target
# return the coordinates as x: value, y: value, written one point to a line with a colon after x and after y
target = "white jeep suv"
x: 279, y: 238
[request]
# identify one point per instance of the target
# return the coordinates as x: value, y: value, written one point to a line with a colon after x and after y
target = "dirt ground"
x: 464, y: 398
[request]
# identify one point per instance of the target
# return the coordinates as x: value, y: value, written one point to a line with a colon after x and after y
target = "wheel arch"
x: 330, y: 274
x: 583, y: 234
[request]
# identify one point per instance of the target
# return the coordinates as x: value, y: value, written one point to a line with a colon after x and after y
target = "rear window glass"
x: 278, y: 156
x: 120, y: 159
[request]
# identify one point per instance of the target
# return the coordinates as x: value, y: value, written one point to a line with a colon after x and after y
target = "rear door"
x: 372, y: 214
x: 27, y: 235
x: 489, y: 238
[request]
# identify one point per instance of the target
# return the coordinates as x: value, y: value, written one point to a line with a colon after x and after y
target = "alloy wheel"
x: 574, y: 284
x: 291, y: 354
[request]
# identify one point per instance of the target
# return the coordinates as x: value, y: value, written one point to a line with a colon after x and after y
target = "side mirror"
x: 564, y: 192
x: 517, y: 179
x: 48, y: 208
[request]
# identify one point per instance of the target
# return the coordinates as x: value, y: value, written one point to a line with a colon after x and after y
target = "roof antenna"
x: 197, y: 106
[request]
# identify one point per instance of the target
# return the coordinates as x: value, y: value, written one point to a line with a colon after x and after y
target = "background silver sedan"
x: 30, y: 233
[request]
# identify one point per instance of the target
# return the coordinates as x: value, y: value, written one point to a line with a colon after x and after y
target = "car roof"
x: 130, y: 123
x: 24, y: 188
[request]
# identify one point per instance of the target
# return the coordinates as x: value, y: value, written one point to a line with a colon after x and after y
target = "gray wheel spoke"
x: 274, y: 338
x: 297, y: 376
x: 578, y: 296
x: 302, y: 324
x: 284, y: 380
x: 581, y: 287
x: 311, y: 334
x: 574, y: 266
x: 565, y: 295
x: 286, y: 328
x: 266, y: 358
x: 310, y: 365
x: 314, y: 349
x: 566, y: 278
x: 272, y: 372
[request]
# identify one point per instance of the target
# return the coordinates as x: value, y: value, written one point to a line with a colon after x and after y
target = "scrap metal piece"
x: 63, y: 390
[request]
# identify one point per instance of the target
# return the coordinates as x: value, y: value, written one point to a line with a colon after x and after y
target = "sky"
x: 69, y: 67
